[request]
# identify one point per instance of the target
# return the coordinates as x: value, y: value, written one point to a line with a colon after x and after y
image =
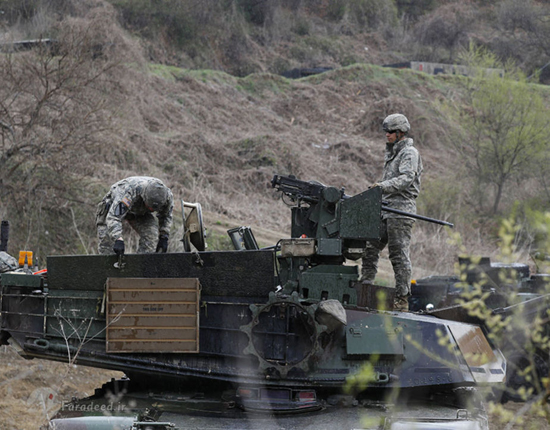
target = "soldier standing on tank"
x: 400, y: 186
x: 134, y: 200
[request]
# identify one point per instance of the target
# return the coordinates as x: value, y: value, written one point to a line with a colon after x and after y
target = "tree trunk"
x: 498, y: 196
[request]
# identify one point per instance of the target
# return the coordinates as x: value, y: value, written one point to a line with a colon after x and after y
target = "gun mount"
x: 341, y: 224
x: 329, y: 208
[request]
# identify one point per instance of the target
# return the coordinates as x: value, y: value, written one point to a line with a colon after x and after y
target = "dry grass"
x: 31, y: 391
x: 518, y: 416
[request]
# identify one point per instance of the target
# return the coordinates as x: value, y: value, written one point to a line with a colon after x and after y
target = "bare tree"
x: 447, y: 27
x: 57, y: 104
x: 525, y: 31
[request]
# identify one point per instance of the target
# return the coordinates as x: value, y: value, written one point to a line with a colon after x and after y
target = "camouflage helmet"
x: 155, y: 195
x: 396, y: 121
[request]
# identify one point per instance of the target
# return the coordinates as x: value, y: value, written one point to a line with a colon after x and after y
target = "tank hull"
x: 238, y: 329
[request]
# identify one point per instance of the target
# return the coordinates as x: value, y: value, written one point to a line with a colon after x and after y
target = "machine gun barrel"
x: 421, y: 217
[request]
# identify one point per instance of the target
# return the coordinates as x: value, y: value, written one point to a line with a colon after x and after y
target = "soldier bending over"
x: 135, y: 199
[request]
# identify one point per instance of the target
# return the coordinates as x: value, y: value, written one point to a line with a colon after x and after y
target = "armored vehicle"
x: 281, y: 337
x: 485, y: 290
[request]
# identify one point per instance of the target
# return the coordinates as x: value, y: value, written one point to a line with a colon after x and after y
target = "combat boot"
x: 401, y: 304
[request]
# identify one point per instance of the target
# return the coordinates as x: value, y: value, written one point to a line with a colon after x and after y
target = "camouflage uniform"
x: 7, y: 262
x: 125, y: 201
x: 400, y: 187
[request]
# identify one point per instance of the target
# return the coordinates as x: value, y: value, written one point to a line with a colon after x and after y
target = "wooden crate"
x: 152, y: 315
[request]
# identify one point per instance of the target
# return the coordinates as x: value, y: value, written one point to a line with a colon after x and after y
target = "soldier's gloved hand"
x: 162, y: 246
x: 374, y: 185
x: 118, y: 247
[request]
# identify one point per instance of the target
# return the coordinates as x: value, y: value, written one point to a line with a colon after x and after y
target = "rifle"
x: 312, y: 191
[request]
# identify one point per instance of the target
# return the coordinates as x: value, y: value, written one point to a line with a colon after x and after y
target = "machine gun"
x: 312, y: 192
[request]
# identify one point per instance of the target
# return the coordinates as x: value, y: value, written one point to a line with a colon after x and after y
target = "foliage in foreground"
x: 520, y: 329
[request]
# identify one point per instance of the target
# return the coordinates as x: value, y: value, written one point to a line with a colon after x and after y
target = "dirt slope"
x: 218, y: 139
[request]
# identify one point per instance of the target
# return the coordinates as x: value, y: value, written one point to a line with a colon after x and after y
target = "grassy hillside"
x: 214, y: 137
